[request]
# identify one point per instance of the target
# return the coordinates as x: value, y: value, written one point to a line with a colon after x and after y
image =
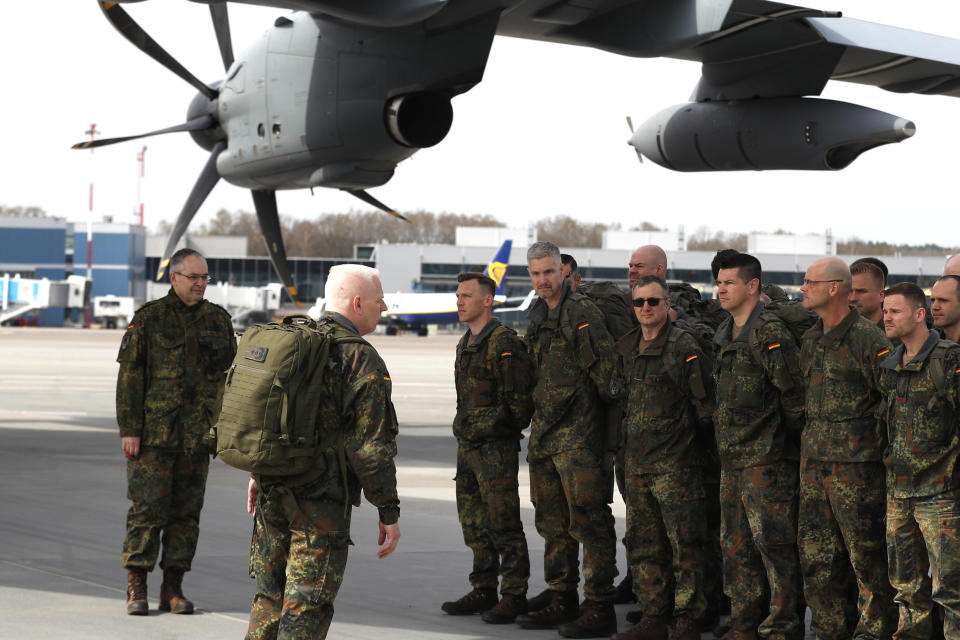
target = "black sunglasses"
x: 653, y: 302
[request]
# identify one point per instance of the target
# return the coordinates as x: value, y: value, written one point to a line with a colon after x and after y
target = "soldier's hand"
x: 252, y: 497
x: 130, y: 446
x: 389, y: 537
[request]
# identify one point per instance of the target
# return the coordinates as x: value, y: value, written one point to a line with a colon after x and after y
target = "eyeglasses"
x: 653, y: 302
x: 196, y: 277
x: 807, y: 283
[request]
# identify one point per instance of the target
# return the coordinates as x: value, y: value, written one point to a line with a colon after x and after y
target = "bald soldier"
x: 842, y: 488
x: 302, y: 523
x: 648, y: 260
x: 952, y: 266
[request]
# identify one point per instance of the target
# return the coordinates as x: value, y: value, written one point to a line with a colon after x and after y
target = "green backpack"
x: 272, y: 395
x: 614, y: 303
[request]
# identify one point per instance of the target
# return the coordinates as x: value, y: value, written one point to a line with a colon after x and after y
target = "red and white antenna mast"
x: 141, y: 160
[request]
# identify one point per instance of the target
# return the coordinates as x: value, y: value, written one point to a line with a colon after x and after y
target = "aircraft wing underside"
x: 749, y: 48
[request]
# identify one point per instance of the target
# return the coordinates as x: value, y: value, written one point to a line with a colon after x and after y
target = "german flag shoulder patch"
x: 690, y: 358
x: 386, y: 377
x: 773, y: 345
x: 583, y: 325
x: 506, y: 354
x: 883, y: 352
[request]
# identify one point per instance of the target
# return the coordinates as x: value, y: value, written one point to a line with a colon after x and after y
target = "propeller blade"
x: 133, y: 32
x: 630, y: 141
x: 207, y: 179
x: 369, y: 199
x: 197, y: 124
x: 221, y: 25
x: 265, y: 202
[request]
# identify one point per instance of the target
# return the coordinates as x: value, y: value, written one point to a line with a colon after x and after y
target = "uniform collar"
x: 725, y: 331
x: 341, y: 320
x: 894, y: 360
x: 484, y: 333
x: 836, y: 334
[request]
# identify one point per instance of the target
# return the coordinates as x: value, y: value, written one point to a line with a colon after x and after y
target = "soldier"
x: 866, y: 292
x: 921, y: 381
x: 648, y: 260
x: 172, y: 363
x: 669, y: 403
x: 302, y: 523
x: 573, y: 352
x: 841, y: 476
x: 568, y: 265
x: 952, y: 266
x: 758, y: 418
x: 494, y: 378
x: 945, y: 306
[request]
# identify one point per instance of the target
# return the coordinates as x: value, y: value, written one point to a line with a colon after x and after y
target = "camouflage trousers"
x: 842, y: 506
x: 569, y: 493
x: 712, y: 549
x: 166, y: 488
x: 297, y: 557
x: 761, y: 571
x: 665, y: 539
x: 923, y: 537
x: 488, y: 505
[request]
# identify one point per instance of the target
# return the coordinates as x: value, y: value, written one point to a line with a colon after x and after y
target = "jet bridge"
x: 19, y: 296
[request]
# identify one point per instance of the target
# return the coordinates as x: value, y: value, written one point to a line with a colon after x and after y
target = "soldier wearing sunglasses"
x: 669, y: 403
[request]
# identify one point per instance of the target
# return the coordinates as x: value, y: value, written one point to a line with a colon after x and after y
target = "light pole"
x: 92, y: 132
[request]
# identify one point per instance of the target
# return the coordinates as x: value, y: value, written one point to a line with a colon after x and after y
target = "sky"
x: 544, y: 134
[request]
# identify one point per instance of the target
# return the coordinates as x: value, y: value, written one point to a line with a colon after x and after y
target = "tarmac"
x: 63, y: 491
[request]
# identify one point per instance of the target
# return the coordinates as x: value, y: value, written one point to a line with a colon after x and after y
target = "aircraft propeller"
x: 202, y: 118
x: 630, y: 141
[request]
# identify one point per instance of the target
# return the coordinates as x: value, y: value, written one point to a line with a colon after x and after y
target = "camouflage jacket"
x: 669, y: 399
x: 759, y: 411
x: 494, y: 377
x: 172, y: 363
x: 576, y: 363
x: 357, y: 409
x: 921, y: 421
x: 843, y: 390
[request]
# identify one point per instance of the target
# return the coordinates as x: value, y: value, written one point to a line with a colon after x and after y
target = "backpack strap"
x: 938, y: 374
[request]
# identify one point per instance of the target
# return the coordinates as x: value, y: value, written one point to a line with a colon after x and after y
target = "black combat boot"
x: 507, y: 610
x: 137, y: 592
x: 563, y: 607
x: 597, y: 620
x: 540, y: 600
x: 171, y: 592
x: 477, y: 601
x: 649, y: 628
x: 686, y: 629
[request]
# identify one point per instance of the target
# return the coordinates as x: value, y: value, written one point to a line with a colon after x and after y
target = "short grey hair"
x: 643, y: 281
x: 177, y: 259
x: 543, y: 250
x: 346, y: 281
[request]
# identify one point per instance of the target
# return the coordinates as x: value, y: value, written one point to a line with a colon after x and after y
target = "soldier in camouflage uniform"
x: 945, y: 307
x: 921, y: 385
x: 758, y: 417
x: 569, y: 486
x: 302, y: 523
x: 172, y: 363
x: 842, y: 494
x: 669, y: 403
x: 494, y: 379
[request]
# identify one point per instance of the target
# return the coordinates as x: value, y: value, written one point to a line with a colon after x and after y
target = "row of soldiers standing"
x: 831, y: 454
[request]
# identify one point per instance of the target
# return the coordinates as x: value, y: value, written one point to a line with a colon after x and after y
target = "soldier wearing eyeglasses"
x: 758, y: 419
x: 668, y: 409
x: 842, y: 489
x: 172, y: 362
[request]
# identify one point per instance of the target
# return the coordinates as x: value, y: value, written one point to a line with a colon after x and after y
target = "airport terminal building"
x: 124, y: 256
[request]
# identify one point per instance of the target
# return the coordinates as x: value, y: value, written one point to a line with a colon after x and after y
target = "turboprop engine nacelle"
x: 770, y: 133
